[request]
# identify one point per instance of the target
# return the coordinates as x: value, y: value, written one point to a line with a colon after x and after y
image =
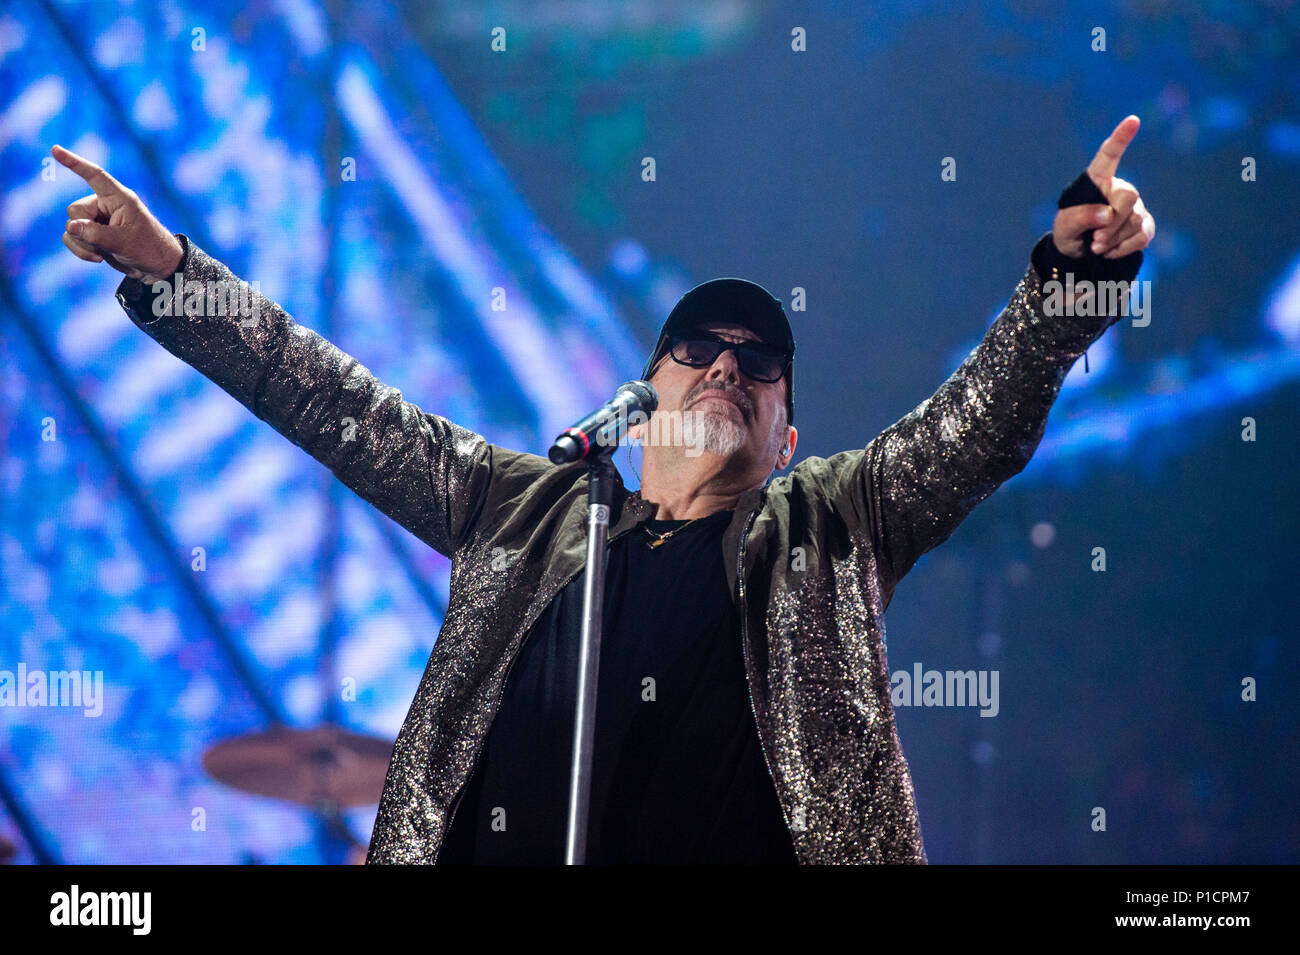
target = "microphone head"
x: 647, y: 399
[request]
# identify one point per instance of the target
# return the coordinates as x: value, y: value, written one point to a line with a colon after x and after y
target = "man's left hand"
x: 1123, y: 225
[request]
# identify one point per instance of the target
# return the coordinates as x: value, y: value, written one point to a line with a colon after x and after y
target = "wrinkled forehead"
x: 728, y: 330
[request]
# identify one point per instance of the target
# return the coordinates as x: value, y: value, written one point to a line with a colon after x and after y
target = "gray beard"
x: 711, y: 431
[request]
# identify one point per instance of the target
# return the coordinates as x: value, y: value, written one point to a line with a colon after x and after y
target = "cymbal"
x: 323, y: 765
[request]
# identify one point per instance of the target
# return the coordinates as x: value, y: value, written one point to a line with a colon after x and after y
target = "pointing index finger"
x: 96, y: 177
x: 1106, y: 162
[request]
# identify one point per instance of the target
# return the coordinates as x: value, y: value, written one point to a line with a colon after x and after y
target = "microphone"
x: 606, y: 426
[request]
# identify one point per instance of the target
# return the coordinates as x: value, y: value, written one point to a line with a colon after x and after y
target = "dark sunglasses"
x: 758, y: 360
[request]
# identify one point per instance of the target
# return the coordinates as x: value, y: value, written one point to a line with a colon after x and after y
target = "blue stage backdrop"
x: 475, y: 225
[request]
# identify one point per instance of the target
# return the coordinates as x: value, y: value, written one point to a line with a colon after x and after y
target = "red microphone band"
x: 586, y: 443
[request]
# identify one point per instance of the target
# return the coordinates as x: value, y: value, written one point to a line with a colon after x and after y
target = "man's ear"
x: 637, y: 424
x: 787, y: 449
x: 637, y: 432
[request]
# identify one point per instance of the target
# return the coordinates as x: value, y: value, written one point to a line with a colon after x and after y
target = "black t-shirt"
x: 678, y: 775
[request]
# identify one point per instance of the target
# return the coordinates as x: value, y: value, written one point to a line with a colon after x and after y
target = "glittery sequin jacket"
x: 815, y: 555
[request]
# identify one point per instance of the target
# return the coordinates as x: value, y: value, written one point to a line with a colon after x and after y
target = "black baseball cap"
x: 737, y: 302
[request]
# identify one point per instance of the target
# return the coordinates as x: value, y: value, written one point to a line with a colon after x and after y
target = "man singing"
x: 744, y: 710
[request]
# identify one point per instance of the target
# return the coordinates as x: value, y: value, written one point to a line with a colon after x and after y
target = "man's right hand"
x: 112, y: 225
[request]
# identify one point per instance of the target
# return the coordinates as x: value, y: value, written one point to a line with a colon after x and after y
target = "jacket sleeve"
x: 420, y: 469
x: 917, y: 480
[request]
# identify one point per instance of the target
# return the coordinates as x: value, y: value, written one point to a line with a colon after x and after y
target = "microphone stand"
x: 601, y: 474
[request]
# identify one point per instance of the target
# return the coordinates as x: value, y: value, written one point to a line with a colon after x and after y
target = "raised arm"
x: 425, y: 472
x: 916, y: 481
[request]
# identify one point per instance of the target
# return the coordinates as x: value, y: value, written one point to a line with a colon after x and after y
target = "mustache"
x: 746, y: 409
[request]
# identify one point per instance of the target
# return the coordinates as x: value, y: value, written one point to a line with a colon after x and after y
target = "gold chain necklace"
x: 660, y: 538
